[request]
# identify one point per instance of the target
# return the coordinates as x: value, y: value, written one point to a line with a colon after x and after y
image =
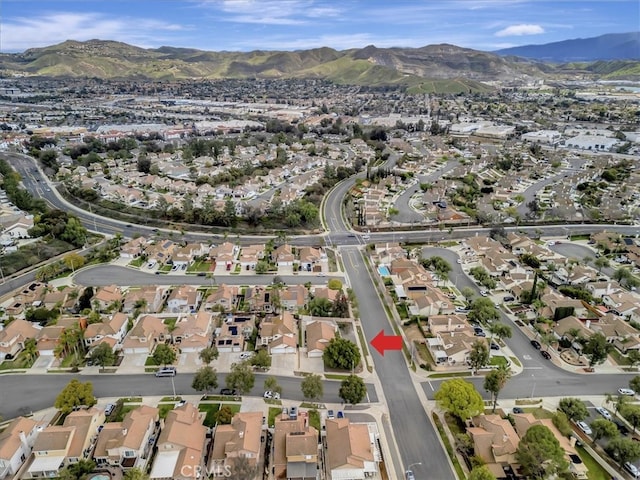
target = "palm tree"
x: 31, y: 349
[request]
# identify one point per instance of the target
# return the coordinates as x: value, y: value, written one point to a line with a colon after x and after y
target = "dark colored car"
x: 545, y: 354
x: 227, y: 391
x: 495, y: 346
x: 536, y: 344
x: 517, y: 410
x: 622, y: 428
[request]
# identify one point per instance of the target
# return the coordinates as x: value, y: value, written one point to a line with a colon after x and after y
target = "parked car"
x: 340, y: 414
x: 495, y: 346
x: 167, y: 372
x: 228, y: 391
x: 270, y: 394
x: 545, y: 354
x: 245, y: 355
x: 484, y: 293
x: 584, y: 427
x: 508, y: 299
x: 108, y: 410
x: 330, y: 414
x: 409, y: 475
x: 626, y: 391
x: 479, y: 332
x: 622, y: 428
x: 536, y: 344
x: 632, y: 469
x: 604, y: 412
x: 517, y: 410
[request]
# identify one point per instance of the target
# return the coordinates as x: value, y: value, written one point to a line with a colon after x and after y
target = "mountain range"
x: 434, y: 68
x: 613, y: 46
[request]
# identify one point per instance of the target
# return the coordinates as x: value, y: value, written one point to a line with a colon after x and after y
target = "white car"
x: 632, y: 469
x: 604, y: 412
x: 484, y: 293
x: 245, y: 355
x: 584, y: 427
x: 272, y: 395
x: 626, y: 391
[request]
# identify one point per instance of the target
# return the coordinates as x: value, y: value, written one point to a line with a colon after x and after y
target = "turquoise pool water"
x: 100, y: 476
x: 384, y: 271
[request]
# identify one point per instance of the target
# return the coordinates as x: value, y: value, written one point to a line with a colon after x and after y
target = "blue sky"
x: 244, y: 25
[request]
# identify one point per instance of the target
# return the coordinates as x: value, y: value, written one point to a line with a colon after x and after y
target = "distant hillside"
x: 430, y: 69
x: 614, y: 46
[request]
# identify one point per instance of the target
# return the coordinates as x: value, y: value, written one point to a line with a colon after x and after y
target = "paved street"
x: 416, y: 438
x: 22, y: 394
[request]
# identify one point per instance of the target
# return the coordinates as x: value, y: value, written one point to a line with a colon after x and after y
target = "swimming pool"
x: 384, y: 271
x: 101, y: 476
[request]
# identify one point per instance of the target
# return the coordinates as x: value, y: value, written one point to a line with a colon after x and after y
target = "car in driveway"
x: 536, y: 344
x: 604, y: 412
x: 626, y: 391
x: 545, y: 354
x: 245, y: 355
x: 584, y: 427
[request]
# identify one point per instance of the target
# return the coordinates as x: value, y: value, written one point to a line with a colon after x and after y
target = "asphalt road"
x: 22, y: 394
x: 415, y: 436
x: 101, y: 275
x: 408, y: 215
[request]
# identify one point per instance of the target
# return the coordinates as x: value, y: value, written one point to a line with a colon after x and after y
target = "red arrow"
x: 382, y: 342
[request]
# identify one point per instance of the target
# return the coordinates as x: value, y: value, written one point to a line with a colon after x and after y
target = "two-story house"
x: 278, y: 333
x: 147, y: 299
x: 295, y: 449
x: 181, y: 445
x: 16, y: 442
x: 352, y: 450
x: 224, y: 298
x: 128, y: 444
x: 239, y: 439
x: 184, y: 299
x: 145, y: 335
x: 107, y: 296
x: 13, y: 336
x: 318, y: 334
x: 193, y: 331
x: 111, y: 330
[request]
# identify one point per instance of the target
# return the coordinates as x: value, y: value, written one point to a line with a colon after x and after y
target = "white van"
x: 167, y: 372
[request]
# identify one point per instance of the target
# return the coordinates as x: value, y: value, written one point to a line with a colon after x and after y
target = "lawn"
x: 540, y: 413
x: 123, y: 411
x: 212, y: 410
x: 150, y: 362
x: 314, y: 420
x: 596, y: 472
x: 164, y: 408
x: 499, y: 360
x: 273, y: 413
x: 199, y: 266
x: 21, y: 361
x: 137, y: 262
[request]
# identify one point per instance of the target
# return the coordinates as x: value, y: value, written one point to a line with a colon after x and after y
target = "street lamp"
x: 533, y: 387
x: 409, y: 469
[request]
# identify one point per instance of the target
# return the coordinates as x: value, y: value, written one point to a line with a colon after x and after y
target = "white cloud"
x: 274, y: 12
x: 520, y: 29
x: 21, y: 33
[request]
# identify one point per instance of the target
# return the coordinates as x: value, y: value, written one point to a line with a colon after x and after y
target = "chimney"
x: 23, y: 440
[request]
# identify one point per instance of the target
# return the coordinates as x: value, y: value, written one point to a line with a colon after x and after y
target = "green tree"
x: 224, y: 415
x: 634, y: 384
x: 597, y: 349
x: 334, y: 284
x: 468, y: 293
x: 270, y: 383
x: 312, y: 387
x: 633, y: 356
x: 320, y: 307
x: 73, y: 261
x: 241, y: 378
x: 342, y: 354
x: 340, y: 306
x: 495, y: 381
x: 481, y: 473
x: 31, y: 348
x: 103, y: 355
x: 78, y: 470
x: 600, y: 263
x: 262, y: 267
x: 632, y: 414
x: 479, y: 355
x: 261, y: 359
x: 205, y: 379
x: 603, y: 428
x: 164, y: 355
x: 483, y: 311
x: 459, y: 398
x: 135, y: 474
x: 208, y: 354
x: 75, y: 394
x: 573, y: 408
x: 500, y: 330
x: 623, y: 449
x: 561, y: 422
x: 540, y: 454
x: 352, y: 390
x: 438, y: 265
